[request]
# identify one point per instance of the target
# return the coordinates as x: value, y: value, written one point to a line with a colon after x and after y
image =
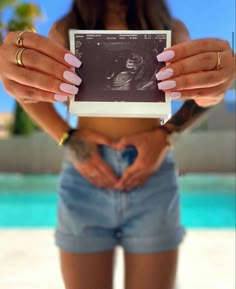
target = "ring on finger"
x: 218, y: 64
x: 92, y: 175
x: 19, y: 39
x: 19, y: 55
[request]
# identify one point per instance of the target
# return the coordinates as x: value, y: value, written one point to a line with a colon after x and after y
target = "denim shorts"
x: 144, y: 220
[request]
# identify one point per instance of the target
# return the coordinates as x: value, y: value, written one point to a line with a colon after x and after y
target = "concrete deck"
x: 28, y: 260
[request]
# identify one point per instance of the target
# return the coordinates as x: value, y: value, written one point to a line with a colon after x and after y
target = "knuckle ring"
x: 19, y: 39
x: 218, y: 64
x: 19, y: 54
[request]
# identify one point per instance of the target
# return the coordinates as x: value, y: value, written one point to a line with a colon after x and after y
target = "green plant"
x: 17, y: 16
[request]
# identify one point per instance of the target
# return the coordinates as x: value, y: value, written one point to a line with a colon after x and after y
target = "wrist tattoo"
x: 189, y: 113
x: 78, y: 149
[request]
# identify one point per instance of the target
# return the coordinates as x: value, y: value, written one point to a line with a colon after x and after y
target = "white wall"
x: 196, y: 152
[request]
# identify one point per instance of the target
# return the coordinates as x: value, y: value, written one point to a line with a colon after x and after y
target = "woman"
x: 118, y: 185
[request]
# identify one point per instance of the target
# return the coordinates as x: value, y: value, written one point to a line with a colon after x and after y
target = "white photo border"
x: 121, y: 109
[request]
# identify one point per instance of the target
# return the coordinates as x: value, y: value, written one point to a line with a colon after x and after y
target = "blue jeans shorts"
x: 145, y: 220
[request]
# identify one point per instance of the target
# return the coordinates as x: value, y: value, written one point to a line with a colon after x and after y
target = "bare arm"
x: 191, y: 111
x: 82, y: 146
x: 47, y: 118
x: 188, y: 115
x: 44, y: 113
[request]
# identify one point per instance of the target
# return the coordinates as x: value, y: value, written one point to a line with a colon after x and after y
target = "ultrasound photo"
x: 119, y: 67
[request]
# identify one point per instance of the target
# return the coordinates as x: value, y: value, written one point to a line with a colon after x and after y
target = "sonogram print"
x: 120, y: 67
x: 133, y: 70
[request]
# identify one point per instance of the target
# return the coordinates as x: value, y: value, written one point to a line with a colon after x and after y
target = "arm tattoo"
x: 188, y: 114
x: 79, y: 150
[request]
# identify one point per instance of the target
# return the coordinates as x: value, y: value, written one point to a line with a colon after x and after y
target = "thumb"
x: 124, y: 142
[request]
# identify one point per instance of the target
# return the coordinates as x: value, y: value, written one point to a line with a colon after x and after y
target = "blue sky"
x: 204, y: 18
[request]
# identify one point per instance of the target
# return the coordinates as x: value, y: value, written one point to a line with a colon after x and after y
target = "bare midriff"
x: 117, y: 128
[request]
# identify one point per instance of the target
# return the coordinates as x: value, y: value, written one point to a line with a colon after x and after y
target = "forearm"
x: 47, y: 118
x: 188, y: 115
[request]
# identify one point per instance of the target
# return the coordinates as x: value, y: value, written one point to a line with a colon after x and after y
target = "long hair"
x: 141, y: 15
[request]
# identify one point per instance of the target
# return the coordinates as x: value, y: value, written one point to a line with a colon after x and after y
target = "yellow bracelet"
x: 66, y: 136
x: 63, y: 138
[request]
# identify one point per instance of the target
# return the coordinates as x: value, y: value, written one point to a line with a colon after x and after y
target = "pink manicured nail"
x: 60, y: 98
x: 167, y: 73
x: 72, y: 77
x: 166, y: 55
x: 165, y: 85
x: 68, y: 88
x: 175, y: 95
x: 72, y: 60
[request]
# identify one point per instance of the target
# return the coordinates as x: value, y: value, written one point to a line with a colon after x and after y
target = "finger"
x: 28, y: 100
x: 212, y: 92
x: 30, y: 94
x: 37, y: 61
x: 138, y: 176
x: 40, y: 81
x: 45, y: 46
x: 201, y: 62
x: 93, y: 171
x: 191, y: 48
x: 124, y: 143
x: 105, y: 179
x: 128, y: 174
x: 91, y: 174
x: 106, y: 171
x: 138, y: 183
x: 192, y: 81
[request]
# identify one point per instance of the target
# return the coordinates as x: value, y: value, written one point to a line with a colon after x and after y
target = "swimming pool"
x: 208, y: 201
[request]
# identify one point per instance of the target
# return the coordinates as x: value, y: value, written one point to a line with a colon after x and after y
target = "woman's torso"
x: 117, y: 128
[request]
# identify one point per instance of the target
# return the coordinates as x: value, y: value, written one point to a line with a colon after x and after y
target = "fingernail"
x: 166, y: 55
x: 60, y: 98
x: 175, y: 95
x: 72, y: 77
x: 167, y: 73
x: 165, y: 85
x: 68, y: 88
x: 72, y: 60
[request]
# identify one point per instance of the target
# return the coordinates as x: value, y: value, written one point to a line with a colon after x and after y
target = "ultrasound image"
x: 118, y: 67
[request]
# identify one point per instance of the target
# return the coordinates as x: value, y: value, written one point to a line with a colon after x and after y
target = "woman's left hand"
x: 192, y: 73
x: 151, y: 147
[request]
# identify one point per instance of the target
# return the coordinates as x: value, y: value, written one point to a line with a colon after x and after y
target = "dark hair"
x: 142, y: 14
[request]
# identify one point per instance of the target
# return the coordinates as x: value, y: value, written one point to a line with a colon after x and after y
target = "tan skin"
x: 42, y: 82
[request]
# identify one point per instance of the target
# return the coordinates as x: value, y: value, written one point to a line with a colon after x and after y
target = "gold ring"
x: 19, y: 54
x: 92, y: 175
x: 218, y: 64
x: 19, y: 39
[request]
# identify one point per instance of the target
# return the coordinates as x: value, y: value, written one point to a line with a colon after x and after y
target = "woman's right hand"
x: 48, y: 73
x: 82, y: 149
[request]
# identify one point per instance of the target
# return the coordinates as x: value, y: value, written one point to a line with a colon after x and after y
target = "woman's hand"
x: 83, y: 152
x: 191, y: 71
x: 152, y: 147
x: 47, y: 74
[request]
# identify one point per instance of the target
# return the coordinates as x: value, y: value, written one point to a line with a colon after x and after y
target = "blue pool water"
x: 208, y: 201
